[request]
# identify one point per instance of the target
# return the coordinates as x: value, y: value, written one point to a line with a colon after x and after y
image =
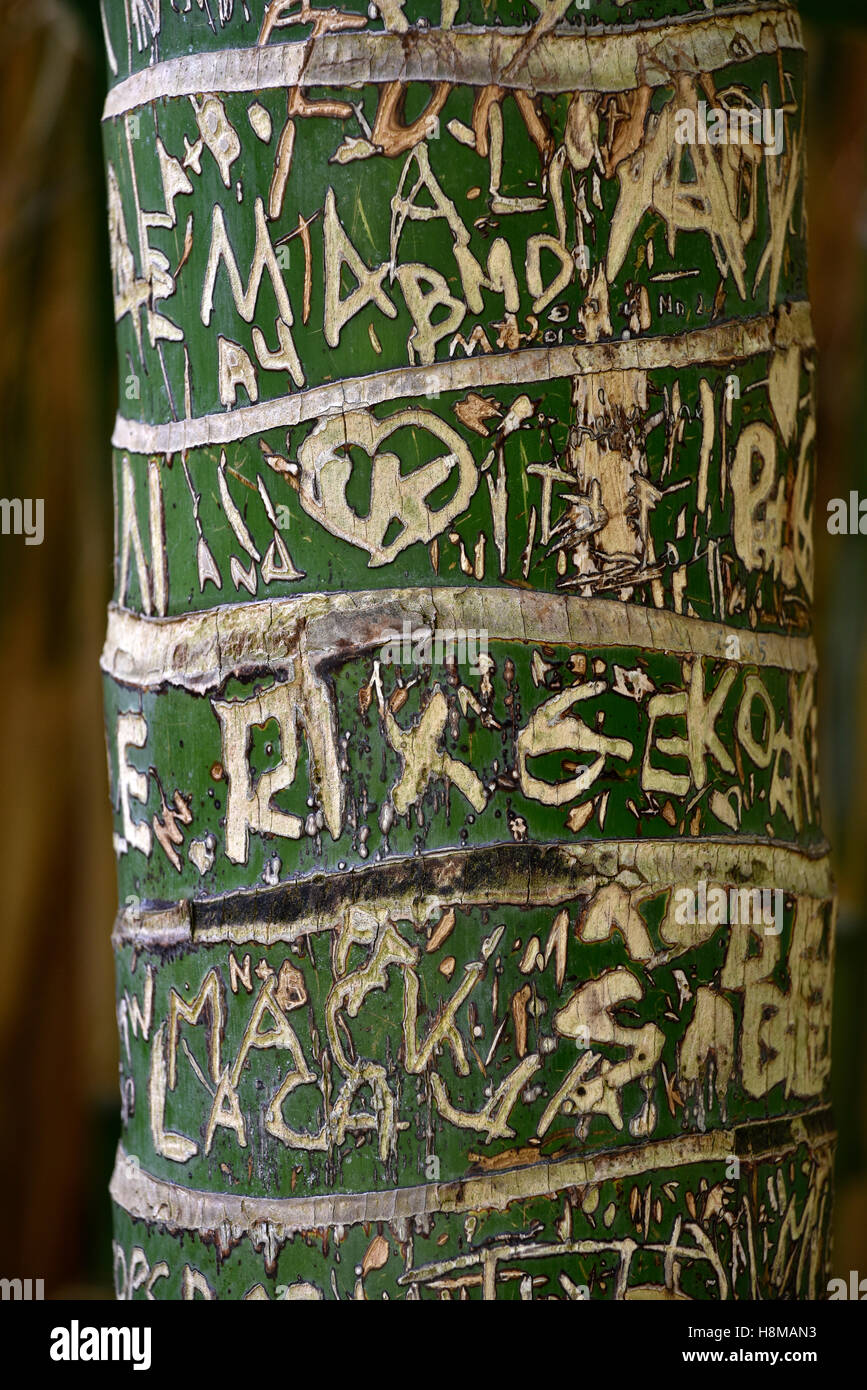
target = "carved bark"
x: 476, y: 925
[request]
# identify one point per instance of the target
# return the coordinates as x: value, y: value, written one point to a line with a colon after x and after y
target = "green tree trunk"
x: 476, y: 923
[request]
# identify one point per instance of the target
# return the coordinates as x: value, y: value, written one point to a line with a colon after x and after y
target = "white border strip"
x: 606, y: 61
x: 719, y: 343
x: 555, y: 876
x: 189, y: 1209
x: 200, y: 651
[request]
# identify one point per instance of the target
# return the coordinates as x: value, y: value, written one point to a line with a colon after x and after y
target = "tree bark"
x: 476, y: 924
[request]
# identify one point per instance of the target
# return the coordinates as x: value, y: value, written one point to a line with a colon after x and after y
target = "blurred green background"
x: 58, y: 1060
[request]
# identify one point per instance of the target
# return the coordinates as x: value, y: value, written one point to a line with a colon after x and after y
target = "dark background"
x: 58, y: 1055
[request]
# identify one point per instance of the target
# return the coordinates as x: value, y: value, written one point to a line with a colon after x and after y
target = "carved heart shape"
x: 326, y: 470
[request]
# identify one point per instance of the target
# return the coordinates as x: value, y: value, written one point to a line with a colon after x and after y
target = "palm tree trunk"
x: 476, y: 924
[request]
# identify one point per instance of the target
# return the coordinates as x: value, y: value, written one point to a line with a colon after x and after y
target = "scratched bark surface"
x: 463, y: 476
